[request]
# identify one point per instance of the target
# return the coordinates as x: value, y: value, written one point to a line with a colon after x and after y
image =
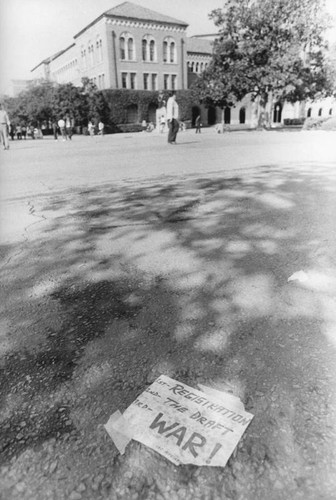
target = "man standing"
x: 172, y: 118
x: 61, y: 125
x: 198, y: 124
x: 4, y: 127
x: 101, y: 128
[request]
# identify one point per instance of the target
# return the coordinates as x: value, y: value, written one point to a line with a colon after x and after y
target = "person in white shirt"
x: 61, y: 124
x: 101, y: 128
x: 172, y: 118
x: 4, y: 127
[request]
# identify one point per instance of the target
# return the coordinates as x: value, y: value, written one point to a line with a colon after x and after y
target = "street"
x: 124, y: 258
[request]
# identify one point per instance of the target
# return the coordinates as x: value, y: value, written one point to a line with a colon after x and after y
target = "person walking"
x: 4, y: 127
x: 55, y: 130
x: 172, y: 118
x: 91, y: 128
x: 12, y: 131
x: 61, y: 124
x: 68, y: 128
x: 198, y: 124
x: 101, y: 128
x: 24, y: 132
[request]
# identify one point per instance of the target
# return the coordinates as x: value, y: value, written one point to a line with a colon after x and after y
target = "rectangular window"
x: 145, y: 81
x: 133, y: 80
x: 173, y: 82
x: 124, y: 80
x: 154, y: 81
x: 165, y: 82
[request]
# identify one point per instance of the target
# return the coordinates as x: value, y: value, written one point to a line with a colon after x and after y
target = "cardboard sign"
x: 185, y: 425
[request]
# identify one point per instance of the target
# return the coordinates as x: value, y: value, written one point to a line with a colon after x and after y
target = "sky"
x: 31, y: 30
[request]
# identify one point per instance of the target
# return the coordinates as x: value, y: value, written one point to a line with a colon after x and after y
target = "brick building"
x: 132, y: 47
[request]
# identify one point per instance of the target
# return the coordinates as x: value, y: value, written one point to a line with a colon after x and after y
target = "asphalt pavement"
x: 212, y: 262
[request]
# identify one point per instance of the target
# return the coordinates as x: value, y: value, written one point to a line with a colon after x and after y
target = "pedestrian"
x: 12, y: 131
x: 101, y: 128
x: 162, y: 119
x: 61, y: 124
x: 19, y: 132
x: 91, y: 128
x: 4, y: 127
x: 68, y: 128
x: 24, y: 131
x: 198, y: 124
x: 55, y: 130
x: 172, y: 118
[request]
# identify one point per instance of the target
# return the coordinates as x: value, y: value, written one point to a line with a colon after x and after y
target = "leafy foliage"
x: 46, y: 102
x: 267, y: 47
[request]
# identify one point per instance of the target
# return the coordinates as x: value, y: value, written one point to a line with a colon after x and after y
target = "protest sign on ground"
x: 183, y: 424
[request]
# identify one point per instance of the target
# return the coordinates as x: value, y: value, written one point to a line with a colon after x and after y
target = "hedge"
x: 314, y: 123
x: 294, y: 121
x: 119, y: 100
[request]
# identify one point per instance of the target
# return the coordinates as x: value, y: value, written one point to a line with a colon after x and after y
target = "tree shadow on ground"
x: 122, y: 283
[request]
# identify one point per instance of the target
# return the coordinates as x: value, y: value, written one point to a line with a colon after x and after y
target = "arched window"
x: 165, y: 51
x: 148, y: 48
x: 197, y: 67
x: 91, y: 54
x: 201, y: 67
x: 320, y: 112
x: 126, y: 44
x: 152, y: 50
x: 192, y: 67
x: 277, y: 112
x: 309, y: 112
x: 242, y: 115
x: 169, y: 50
x: 100, y: 49
x: 227, y: 115
x: 172, y: 52
x: 330, y: 111
x: 144, y: 50
x: 84, y: 62
x: 122, y: 48
x: 130, y: 49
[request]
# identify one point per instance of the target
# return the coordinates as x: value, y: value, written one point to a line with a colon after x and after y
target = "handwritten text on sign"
x: 183, y: 424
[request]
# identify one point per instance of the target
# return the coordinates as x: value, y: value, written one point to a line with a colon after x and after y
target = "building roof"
x: 54, y: 56
x: 199, y: 45
x: 132, y: 11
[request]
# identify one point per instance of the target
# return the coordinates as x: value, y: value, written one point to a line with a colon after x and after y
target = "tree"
x: 270, y: 49
x: 68, y: 100
x: 96, y: 107
x: 33, y: 106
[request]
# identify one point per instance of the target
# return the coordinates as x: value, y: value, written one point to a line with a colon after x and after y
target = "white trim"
x: 144, y: 25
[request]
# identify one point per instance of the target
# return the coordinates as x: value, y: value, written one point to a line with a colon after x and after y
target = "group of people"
x: 64, y: 128
x: 92, y: 129
x: 172, y: 117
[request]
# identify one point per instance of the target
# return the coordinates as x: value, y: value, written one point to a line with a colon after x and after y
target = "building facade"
x: 126, y: 47
x: 132, y: 47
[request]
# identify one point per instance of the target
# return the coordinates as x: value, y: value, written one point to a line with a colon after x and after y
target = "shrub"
x: 119, y: 100
x: 313, y: 123
x: 329, y: 124
x: 128, y: 127
x: 294, y: 121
